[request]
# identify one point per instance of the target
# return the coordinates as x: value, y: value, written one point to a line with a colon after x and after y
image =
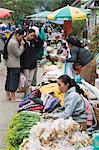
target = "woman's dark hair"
x: 5, y: 53
x: 19, y: 31
x: 40, y: 26
x: 48, y: 42
x: 74, y: 41
x: 66, y: 79
x: 64, y: 45
x: 30, y: 31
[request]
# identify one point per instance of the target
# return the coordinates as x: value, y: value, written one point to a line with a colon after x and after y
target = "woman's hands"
x: 47, y: 115
x: 62, y: 59
x: 22, y: 42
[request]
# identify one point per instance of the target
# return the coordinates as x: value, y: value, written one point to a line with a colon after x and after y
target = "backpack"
x: 5, y: 53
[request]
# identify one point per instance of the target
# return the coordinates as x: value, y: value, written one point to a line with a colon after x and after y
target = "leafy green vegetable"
x: 19, y: 128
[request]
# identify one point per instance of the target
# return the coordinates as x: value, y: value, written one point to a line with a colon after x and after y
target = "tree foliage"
x: 55, y: 4
x: 22, y: 7
x: 77, y: 28
x: 27, y: 7
x: 94, y: 40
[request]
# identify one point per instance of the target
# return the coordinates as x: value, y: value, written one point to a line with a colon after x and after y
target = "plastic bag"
x: 22, y: 81
x: 92, y: 88
x: 68, y: 70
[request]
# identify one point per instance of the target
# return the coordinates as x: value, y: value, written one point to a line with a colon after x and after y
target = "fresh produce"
x: 56, y: 134
x: 19, y: 128
x: 24, y: 145
x: 48, y: 63
x: 59, y: 64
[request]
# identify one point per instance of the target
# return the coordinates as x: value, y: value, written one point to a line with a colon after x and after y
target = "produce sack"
x: 92, y: 88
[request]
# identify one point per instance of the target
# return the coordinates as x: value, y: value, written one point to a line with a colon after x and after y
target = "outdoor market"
x: 49, y: 72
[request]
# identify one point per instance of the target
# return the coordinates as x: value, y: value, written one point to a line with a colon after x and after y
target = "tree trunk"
x: 1, y: 1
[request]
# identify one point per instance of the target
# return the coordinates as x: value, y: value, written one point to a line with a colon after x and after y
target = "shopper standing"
x: 13, y: 49
x: 29, y: 56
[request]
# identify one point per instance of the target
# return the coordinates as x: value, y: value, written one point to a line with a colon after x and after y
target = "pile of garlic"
x: 57, y: 134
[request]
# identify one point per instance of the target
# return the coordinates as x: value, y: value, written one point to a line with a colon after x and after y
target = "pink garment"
x: 89, y: 112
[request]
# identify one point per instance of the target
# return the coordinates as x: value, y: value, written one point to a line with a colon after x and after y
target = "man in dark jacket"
x: 29, y: 56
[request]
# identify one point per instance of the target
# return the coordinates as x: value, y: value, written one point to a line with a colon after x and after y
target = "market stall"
x: 57, y: 134
x: 31, y: 130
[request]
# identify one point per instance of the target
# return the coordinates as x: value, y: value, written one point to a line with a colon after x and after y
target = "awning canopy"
x: 43, y: 14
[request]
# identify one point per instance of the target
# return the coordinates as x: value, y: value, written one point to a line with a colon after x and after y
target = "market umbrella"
x: 4, y: 9
x: 67, y: 13
x: 5, y: 13
x: 60, y: 21
x: 39, y: 16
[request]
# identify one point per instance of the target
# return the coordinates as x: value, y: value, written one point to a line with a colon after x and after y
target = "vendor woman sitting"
x: 74, y: 104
